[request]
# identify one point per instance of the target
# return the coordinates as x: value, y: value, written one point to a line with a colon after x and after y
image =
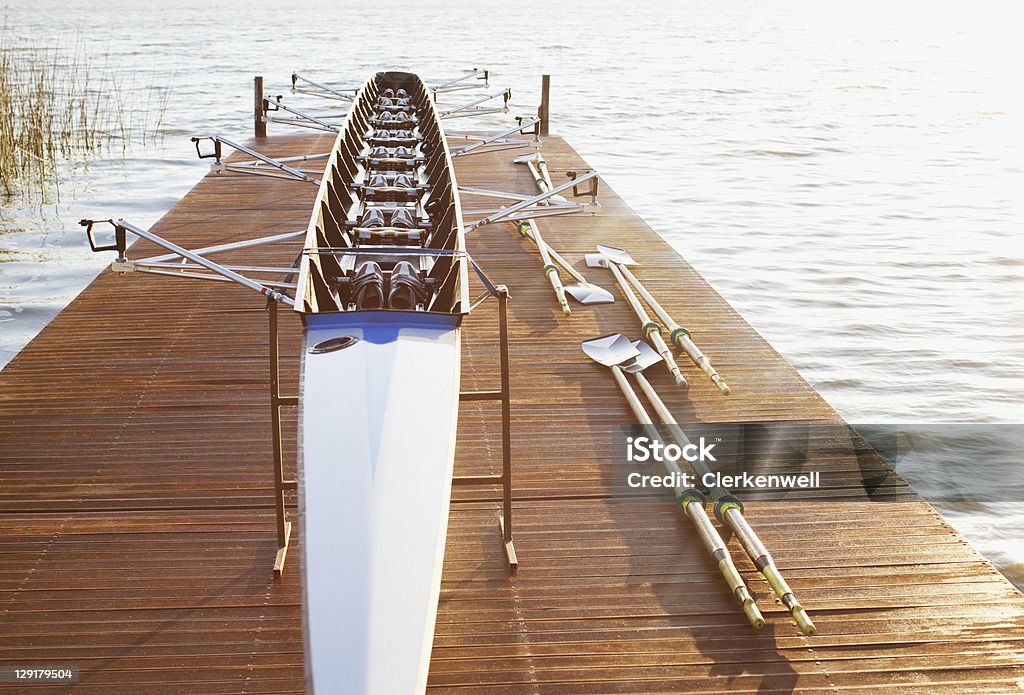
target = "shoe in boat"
x: 403, y: 219
x: 368, y: 286
x: 406, y: 290
x: 372, y: 217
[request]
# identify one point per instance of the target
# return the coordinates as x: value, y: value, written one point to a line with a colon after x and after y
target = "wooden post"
x: 504, y: 395
x: 505, y: 520
x: 258, y: 122
x: 284, y: 527
x: 544, y: 112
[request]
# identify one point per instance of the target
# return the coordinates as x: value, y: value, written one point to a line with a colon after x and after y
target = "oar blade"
x: 646, y: 357
x: 590, y: 294
x: 610, y: 350
x: 616, y: 255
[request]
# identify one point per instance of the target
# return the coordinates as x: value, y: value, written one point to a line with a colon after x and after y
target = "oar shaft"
x: 550, y: 270
x: 542, y: 184
x: 651, y: 330
x: 679, y: 335
x: 729, y: 509
x: 542, y: 166
x: 692, y: 504
x: 555, y: 256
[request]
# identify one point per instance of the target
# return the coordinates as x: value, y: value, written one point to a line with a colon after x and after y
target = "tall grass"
x: 57, y: 106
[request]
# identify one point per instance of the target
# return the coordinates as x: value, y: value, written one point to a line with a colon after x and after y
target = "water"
x: 848, y: 178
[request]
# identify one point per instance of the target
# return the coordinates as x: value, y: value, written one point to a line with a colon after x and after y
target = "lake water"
x: 849, y: 179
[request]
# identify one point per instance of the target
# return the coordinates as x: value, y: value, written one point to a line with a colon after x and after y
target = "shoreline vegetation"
x: 61, y: 106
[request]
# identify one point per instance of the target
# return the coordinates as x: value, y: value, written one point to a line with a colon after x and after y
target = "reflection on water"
x: 847, y: 178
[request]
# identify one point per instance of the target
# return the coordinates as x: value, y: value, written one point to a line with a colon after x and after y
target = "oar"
x: 528, y: 227
x: 651, y: 330
x: 543, y: 182
x: 584, y: 292
x: 677, y: 334
x: 612, y: 351
x: 729, y: 510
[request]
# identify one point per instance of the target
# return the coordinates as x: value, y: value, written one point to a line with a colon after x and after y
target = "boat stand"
x: 283, y: 485
x: 277, y: 401
x: 502, y: 394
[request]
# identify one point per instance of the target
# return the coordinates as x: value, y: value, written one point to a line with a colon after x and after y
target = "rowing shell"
x: 379, y: 393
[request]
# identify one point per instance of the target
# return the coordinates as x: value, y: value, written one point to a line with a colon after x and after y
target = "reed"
x: 57, y: 107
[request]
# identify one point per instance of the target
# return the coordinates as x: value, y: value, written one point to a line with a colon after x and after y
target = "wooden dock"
x: 137, y: 513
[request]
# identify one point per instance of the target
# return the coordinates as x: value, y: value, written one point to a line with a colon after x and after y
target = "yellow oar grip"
x: 753, y: 614
x: 735, y: 582
x: 803, y: 621
x: 785, y: 593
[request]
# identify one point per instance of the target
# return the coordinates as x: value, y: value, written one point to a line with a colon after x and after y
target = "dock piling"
x: 544, y: 111
x: 259, y: 125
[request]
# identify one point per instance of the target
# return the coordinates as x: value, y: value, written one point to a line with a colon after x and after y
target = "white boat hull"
x: 378, y: 425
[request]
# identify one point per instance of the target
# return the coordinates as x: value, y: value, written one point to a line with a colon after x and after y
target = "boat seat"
x: 396, y: 138
x: 390, y: 180
x: 390, y: 235
x: 391, y: 120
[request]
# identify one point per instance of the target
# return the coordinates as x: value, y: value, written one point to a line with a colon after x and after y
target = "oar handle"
x: 765, y: 564
x: 681, y: 337
x: 716, y: 547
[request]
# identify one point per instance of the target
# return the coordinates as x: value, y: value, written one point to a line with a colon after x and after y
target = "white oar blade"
x: 590, y: 294
x: 524, y: 158
x: 596, y: 260
x: 647, y: 357
x: 610, y: 350
x: 616, y: 255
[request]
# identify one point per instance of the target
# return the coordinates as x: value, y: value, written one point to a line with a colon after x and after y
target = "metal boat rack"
x: 502, y: 394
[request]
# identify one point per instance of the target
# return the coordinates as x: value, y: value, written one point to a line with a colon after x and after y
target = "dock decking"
x: 136, y: 508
